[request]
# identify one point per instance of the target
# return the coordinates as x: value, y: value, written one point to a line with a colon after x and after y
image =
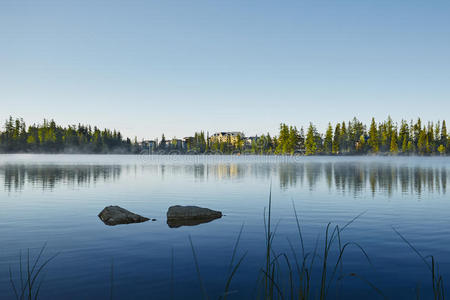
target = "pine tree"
x: 444, y: 137
x: 337, y: 134
x: 422, y: 143
x: 301, y: 139
x: 394, y: 145
x: 343, y: 139
x: 403, y: 135
x: 293, y: 140
x: 405, y: 145
x: 373, y: 137
x: 283, y: 139
x: 431, y: 146
x: 356, y: 129
x: 310, y: 143
x: 437, y: 133
x: 328, y: 141
x: 411, y: 147
x: 417, y: 128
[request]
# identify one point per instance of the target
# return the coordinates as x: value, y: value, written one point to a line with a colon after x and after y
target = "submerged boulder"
x: 178, y: 215
x: 115, y: 215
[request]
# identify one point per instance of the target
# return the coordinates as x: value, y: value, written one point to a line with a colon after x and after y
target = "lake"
x: 55, y: 199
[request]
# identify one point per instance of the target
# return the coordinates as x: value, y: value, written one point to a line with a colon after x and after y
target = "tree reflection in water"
x: 352, y: 177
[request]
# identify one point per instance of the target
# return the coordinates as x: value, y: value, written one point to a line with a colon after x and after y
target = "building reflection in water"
x: 344, y: 177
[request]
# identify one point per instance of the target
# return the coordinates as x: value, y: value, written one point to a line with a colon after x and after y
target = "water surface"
x: 55, y: 199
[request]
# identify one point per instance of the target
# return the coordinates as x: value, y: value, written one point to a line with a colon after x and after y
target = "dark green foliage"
x: 289, y: 140
x: 386, y: 137
x: 374, y: 142
x: 337, y: 134
x: 328, y: 141
x: 51, y: 138
x: 311, y: 144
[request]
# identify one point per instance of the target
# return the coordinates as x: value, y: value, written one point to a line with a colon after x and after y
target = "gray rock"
x: 190, y: 215
x: 115, y: 215
x: 191, y: 212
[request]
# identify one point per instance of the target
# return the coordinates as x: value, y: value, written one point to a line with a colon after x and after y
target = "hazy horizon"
x: 172, y: 67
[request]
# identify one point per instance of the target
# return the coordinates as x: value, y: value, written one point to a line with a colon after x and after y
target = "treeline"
x: 354, y: 137
x: 346, y: 138
x: 52, y: 138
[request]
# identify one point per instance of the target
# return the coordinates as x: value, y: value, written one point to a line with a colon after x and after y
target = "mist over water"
x: 56, y: 199
x: 348, y: 175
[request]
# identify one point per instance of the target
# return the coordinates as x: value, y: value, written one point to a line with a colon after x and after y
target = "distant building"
x: 149, y: 144
x: 223, y: 137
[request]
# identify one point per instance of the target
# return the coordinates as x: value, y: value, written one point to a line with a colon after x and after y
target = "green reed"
x: 31, y: 276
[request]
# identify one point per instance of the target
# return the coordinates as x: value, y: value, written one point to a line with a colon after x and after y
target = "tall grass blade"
x: 413, y: 248
x: 12, y: 283
x: 231, y: 271
x: 33, y: 270
x: 230, y: 277
x: 205, y: 294
x: 172, y: 273
x: 299, y: 229
x: 235, y: 249
x: 437, y: 280
x: 111, y: 291
x: 274, y: 284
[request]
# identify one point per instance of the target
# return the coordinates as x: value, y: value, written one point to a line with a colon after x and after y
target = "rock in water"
x: 191, y: 212
x: 115, y: 215
x: 190, y: 215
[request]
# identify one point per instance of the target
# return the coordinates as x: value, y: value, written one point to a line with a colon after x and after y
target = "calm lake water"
x: 55, y: 199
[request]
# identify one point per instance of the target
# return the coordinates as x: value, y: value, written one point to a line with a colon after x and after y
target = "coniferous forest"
x: 346, y: 138
x: 49, y: 137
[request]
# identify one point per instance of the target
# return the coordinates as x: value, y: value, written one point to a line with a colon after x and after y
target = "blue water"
x: 55, y: 199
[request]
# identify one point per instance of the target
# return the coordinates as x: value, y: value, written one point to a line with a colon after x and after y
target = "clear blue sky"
x: 147, y: 67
